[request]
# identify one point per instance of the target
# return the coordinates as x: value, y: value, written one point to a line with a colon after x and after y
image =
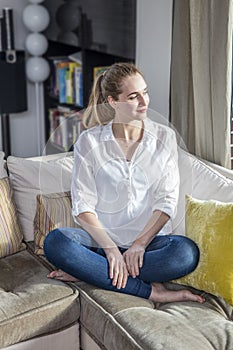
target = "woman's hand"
x: 134, y: 258
x: 117, y: 268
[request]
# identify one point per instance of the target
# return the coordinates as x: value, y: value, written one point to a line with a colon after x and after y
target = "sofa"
x: 42, y: 314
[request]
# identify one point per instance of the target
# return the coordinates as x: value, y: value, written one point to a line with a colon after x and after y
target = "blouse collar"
x: 148, y: 135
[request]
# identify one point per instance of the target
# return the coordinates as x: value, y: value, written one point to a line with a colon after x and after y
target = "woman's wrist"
x: 112, y: 248
x: 140, y: 241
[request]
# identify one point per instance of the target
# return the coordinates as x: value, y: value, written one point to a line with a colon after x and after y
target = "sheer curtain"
x: 201, y: 76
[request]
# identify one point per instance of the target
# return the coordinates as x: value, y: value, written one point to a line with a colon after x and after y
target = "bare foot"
x: 161, y: 294
x: 62, y: 276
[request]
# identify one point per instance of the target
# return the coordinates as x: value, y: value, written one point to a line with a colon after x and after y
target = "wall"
x: 24, y: 129
x: 153, y: 50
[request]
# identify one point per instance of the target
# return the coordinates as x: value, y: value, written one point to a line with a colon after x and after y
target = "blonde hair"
x: 98, y: 111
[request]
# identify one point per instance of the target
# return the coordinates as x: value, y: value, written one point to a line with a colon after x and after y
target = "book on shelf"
x: 61, y: 84
x: 78, y: 81
x: 65, y: 83
x: 65, y: 126
x: 98, y: 70
x: 56, y: 63
x: 70, y: 83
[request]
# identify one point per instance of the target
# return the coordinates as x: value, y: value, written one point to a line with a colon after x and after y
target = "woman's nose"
x: 143, y: 100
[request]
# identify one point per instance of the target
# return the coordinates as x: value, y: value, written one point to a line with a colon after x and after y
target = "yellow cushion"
x: 210, y: 225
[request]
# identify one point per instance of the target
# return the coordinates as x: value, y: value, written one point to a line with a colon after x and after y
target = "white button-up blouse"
x: 123, y: 195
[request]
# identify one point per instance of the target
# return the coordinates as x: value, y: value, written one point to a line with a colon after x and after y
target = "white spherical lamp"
x: 36, y: 44
x: 37, y: 69
x: 36, y: 18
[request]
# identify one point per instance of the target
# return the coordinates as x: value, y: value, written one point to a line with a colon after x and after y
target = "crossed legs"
x: 166, y: 258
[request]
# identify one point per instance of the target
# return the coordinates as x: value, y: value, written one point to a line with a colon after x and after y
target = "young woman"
x: 125, y: 188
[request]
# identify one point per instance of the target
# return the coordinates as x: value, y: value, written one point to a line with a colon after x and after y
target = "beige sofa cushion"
x: 120, y: 321
x: 30, y: 303
x: 38, y: 175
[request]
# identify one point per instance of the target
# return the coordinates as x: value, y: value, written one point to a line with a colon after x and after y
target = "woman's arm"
x: 154, y: 225
x: 117, y: 268
x: 93, y: 226
x: 134, y: 255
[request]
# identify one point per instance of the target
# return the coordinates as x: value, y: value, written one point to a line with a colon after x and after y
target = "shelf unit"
x: 91, y: 56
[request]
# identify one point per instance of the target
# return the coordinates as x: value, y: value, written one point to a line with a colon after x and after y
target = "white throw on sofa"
x: 108, y: 320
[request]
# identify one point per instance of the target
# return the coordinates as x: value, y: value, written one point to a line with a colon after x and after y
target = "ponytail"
x: 98, y: 111
x: 108, y: 83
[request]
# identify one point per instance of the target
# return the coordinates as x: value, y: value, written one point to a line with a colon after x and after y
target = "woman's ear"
x: 112, y: 102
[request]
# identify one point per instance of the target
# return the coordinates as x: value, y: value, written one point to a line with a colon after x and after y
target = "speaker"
x: 13, y: 95
x: 13, y: 89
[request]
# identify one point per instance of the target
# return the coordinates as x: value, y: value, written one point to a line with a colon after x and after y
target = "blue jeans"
x: 166, y: 258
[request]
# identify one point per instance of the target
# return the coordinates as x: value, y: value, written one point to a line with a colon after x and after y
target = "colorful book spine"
x: 70, y: 87
x: 78, y: 86
x: 62, y: 84
x: 58, y: 66
x: 65, y: 126
x: 64, y: 80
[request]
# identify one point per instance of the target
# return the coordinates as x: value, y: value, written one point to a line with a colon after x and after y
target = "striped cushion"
x: 11, y: 236
x: 53, y: 210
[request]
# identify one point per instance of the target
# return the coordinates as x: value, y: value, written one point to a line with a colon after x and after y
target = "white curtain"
x: 201, y: 76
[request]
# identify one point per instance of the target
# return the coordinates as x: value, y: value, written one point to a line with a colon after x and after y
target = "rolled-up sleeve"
x: 166, y: 191
x: 83, y: 188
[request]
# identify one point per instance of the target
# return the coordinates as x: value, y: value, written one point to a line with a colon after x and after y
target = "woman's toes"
x: 62, y: 276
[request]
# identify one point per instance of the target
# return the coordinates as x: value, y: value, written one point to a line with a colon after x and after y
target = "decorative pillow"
x: 10, y: 233
x: 38, y: 175
x: 210, y: 225
x: 53, y: 210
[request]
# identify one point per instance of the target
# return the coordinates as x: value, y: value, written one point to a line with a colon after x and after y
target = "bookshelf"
x: 67, y: 90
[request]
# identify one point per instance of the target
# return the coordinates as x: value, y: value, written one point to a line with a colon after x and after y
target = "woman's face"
x: 133, y: 102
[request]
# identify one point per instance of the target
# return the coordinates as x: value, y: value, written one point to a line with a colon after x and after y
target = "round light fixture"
x: 36, y: 44
x: 36, y: 18
x: 37, y: 69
